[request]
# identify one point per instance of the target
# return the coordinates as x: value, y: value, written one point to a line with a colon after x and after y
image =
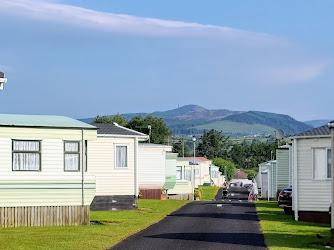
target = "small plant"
x: 140, y: 195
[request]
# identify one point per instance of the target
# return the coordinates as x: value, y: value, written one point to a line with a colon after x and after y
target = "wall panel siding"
x: 46, y: 133
x: 101, y: 163
x: 313, y: 195
x: 17, y: 191
x: 151, y: 171
x: 282, y: 157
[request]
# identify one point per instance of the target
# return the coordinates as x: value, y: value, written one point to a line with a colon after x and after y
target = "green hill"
x: 237, y: 129
x: 193, y: 119
x: 278, y: 121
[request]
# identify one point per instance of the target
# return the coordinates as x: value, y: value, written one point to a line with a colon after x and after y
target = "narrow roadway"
x: 228, y: 224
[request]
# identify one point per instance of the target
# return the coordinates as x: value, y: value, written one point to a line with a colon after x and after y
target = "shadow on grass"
x: 281, y: 230
x: 270, y: 211
x: 297, y: 241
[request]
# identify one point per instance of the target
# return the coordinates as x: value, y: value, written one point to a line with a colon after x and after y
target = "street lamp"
x: 194, y: 140
x: 2, y: 80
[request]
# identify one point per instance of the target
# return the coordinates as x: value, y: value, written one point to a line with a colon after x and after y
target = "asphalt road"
x: 228, y: 224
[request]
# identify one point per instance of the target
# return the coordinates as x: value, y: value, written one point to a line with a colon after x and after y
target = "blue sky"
x: 81, y: 58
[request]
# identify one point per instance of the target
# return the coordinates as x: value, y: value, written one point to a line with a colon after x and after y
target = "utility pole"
x: 182, y: 148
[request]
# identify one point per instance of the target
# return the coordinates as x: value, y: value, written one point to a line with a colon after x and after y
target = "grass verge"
x: 283, y: 232
x: 117, y: 226
x: 208, y: 193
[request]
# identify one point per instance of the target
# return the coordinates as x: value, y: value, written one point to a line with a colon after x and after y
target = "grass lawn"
x: 118, y: 225
x: 283, y: 232
x: 208, y: 193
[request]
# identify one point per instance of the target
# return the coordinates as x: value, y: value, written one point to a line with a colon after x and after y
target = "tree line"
x: 227, y: 154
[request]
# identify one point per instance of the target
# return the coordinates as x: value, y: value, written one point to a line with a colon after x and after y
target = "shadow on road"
x: 248, y: 216
x: 248, y: 239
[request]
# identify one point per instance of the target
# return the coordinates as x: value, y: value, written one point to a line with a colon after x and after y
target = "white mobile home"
x: 152, y: 169
x: 311, y: 185
x: 268, y: 176
x: 201, y: 167
x: 216, y: 177
x: 113, y: 159
x: 183, y: 189
x: 43, y: 181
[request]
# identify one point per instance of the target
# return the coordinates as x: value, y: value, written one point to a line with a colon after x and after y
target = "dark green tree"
x: 180, y: 147
x: 160, y: 133
x: 119, y: 119
x: 212, y: 144
x: 225, y: 166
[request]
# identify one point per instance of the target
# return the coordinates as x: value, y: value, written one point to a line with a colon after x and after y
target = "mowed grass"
x: 118, y: 226
x: 283, y: 232
x: 208, y: 193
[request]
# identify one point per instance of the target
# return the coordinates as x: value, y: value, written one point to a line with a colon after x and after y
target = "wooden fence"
x: 44, y: 216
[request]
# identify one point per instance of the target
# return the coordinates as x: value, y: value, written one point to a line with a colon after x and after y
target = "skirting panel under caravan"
x: 181, y: 197
x: 315, y: 217
x: 114, y: 203
x: 44, y: 216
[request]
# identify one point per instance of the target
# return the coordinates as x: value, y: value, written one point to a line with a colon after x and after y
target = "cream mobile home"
x: 311, y: 185
x: 43, y: 178
x: 113, y: 159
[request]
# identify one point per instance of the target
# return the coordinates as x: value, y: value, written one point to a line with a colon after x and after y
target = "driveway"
x: 229, y: 224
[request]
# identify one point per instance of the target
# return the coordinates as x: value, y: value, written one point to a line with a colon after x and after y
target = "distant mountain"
x: 317, y: 123
x: 277, y: 121
x: 193, y: 119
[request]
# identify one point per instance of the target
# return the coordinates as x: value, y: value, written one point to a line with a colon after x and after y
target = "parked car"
x: 285, y: 200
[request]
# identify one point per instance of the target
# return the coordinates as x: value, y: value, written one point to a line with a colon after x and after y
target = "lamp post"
x: 2, y: 80
x: 194, y: 141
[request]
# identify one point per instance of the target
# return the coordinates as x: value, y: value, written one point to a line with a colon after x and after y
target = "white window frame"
x: 19, y: 151
x: 70, y: 152
x: 186, y: 172
x: 326, y: 165
x: 196, y: 171
x: 127, y: 156
x: 179, y: 169
x: 214, y: 174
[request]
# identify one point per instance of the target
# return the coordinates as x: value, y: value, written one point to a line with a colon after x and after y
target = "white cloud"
x: 4, y: 68
x: 48, y: 11
x: 285, y: 74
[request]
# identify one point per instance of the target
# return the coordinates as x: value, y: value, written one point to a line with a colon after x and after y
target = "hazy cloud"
x: 131, y: 24
x: 285, y: 74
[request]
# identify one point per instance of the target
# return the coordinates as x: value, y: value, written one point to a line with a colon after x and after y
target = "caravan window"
x: 321, y: 163
x: 71, y: 156
x: 121, y: 156
x: 26, y: 155
x: 188, y: 175
x: 178, y: 173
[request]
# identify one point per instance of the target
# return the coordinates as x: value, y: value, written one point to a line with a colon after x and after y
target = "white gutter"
x: 127, y: 136
x: 309, y: 136
x: 295, y: 178
x: 136, y: 168
x: 331, y: 126
x: 82, y: 168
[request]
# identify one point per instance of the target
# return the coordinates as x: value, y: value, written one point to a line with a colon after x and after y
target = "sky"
x: 81, y: 58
